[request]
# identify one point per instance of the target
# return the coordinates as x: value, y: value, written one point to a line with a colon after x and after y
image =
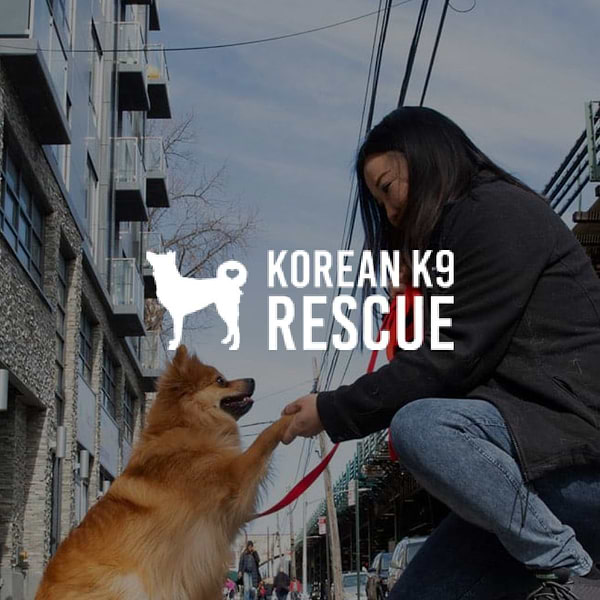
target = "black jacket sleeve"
x: 502, y: 239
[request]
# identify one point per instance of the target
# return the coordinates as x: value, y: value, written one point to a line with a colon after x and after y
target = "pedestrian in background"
x: 281, y: 583
x: 295, y: 589
x: 248, y: 571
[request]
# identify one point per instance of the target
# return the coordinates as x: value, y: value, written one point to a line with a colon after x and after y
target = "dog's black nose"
x: 250, y: 383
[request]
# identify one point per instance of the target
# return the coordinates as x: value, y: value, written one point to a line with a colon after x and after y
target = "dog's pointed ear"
x: 180, y: 355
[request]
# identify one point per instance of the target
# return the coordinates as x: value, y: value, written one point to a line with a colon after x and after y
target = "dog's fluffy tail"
x: 233, y: 265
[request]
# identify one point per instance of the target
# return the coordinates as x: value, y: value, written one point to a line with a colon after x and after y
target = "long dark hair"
x: 442, y: 166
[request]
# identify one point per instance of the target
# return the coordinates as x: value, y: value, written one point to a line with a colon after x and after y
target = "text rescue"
x: 305, y: 271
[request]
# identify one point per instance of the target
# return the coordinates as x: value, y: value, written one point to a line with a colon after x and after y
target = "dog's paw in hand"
x: 305, y: 418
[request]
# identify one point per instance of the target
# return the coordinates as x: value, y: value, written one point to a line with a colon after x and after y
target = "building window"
x: 91, y: 202
x: 62, y: 12
x: 85, y: 347
x: 61, y: 323
x: 128, y: 414
x: 105, y: 481
x: 95, y: 78
x: 55, y: 499
x: 109, y: 386
x: 64, y: 155
x: 55, y: 503
x: 21, y: 218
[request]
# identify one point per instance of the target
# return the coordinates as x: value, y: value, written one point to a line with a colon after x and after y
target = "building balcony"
x: 132, y: 65
x: 37, y: 64
x: 153, y: 241
x: 130, y: 181
x: 158, y: 82
x: 127, y: 296
x: 152, y: 360
x: 157, y: 185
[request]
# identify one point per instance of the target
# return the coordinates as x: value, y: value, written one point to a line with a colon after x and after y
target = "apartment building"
x: 78, y: 82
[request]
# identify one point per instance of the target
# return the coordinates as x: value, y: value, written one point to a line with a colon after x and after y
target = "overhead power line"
x: 349, y: 227
x: 464, y: 11
x: 412, y: 52
x: 379, y: 41
x: 434, y: 52
x: 287, y: 35
x: 273, y: 38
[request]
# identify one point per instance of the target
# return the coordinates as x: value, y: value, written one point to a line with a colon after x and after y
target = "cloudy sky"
x: 284, y: 117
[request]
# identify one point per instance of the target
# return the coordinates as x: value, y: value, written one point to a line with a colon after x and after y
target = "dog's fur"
x: 164, y: 529
x: 182, y: 296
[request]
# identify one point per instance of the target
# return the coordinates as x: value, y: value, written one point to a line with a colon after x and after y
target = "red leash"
x: 388, y: 324
x: 302, y: 485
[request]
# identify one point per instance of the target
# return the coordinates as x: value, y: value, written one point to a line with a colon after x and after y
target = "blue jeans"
x: 248, y: 587
x: 500, y: 528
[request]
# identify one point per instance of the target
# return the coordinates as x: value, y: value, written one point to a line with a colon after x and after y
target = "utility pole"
x: 304, y: 557
x: 292, y: 551
x: 357, y: 520
x: 279, y: 544
x: 332, y: 524
x: 268, y: 556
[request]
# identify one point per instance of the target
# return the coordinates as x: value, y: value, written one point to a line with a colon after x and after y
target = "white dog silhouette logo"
x: 183, y: 296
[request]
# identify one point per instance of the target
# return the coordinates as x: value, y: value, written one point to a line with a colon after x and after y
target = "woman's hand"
x: 306, y: 421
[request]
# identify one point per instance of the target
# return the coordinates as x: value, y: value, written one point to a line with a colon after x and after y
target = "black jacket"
x: 281, y: 581
x: 249, y: 563
x: 526, y: 332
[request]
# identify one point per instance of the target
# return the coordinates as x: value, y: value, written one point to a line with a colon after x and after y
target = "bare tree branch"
x: 203, y: 225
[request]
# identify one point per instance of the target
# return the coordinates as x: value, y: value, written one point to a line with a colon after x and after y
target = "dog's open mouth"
x: 237, y: 406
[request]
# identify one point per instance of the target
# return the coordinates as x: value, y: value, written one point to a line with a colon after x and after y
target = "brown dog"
x: 165, y: 528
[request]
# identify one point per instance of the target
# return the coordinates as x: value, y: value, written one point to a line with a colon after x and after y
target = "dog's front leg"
x: 250, y: 468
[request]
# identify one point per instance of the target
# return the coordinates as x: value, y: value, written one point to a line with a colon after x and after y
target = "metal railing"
x: 152, y: 355
x: 573, y: 175
x: 157, y: 70
x: 46, y: 34
x: 153, y: 241
x: 129, y: 166
x: 154, y: 155
x: 131, y: 44
x: 127, y: 287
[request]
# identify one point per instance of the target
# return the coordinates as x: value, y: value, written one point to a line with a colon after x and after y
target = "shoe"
x: 560, y: 584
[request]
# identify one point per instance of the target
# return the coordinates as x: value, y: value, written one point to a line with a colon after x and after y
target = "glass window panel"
x: 23, y: 230
x: 11, y: 236
x: 36, y: 219
x: 59, y: 379
x: 11, y: 173
x: 60, y: 347
x: 36, y: 274
x: 62, y: 293
x: 9, y: 207
x: 62, y: 267
x: 36, y: 252
x: 25, y: 198
x: 23, y: 255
